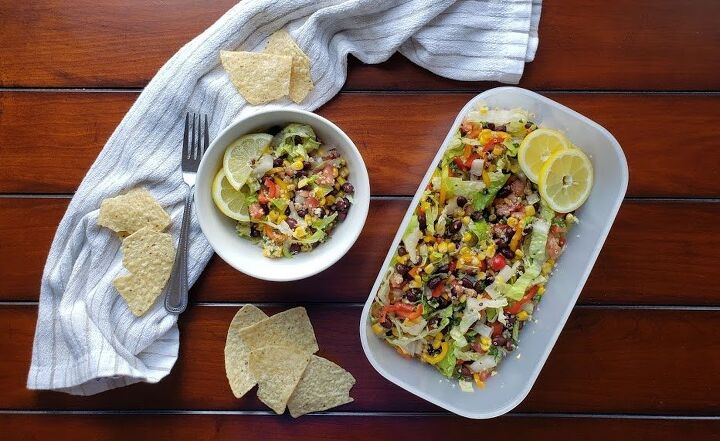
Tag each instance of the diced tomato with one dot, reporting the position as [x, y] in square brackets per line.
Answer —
[459, 162]
[498, 262]
[497, 328]
[404, 310]
[256, 211]
[262, 197]
[272, 188]
[517, 306]
[452, 265]
[312, 202]
[438, 289]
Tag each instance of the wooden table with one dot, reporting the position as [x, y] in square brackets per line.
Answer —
[638, 358]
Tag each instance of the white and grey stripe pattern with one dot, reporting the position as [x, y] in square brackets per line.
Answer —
[87, 340]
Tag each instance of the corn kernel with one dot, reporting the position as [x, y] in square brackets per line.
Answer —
[459, 212]
[335, 172]
[485, 340]
[481, 275]
[512, 221]
[461, 261]
[344, 172]
[522, 316]
[478, 381]
[425, 205]
[281, 218]
[330, 199]
[546, 268]
[467, 237]
[297, 165]
[429, 239]
[273, 215]
[415, 284]
[266, 252]
[463, 298]
[490, 251]
[442, 247]
[519, 253]
[466, 220]
[299, 232]
[417, 279]
[529, 210]
[429, 268]
[464, 250]
[378, 329]
[322, 201]
[475, 261]
[341, 180]
[497, 151]
[541, 290]
[402, 259]
[570, 218]
[481, 256]
[485, 136]
[452, 247]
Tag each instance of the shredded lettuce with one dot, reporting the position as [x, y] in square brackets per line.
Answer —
[411, 237]
[322, 224]
[460, 187]
[517, 290]
[285, 142]
[243, 229]
[465, 386]
[486, 196]
[431, 216]
[446, 366]
[280, 203]
[479, 229]
[455, 149]
[538, 239]
[466, 355]
[307, 180]
[317, 236]
[491, 314]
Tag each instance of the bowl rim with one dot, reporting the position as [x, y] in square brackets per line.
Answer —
[360, 211]
[520, 396]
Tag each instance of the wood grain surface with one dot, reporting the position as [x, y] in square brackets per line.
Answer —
[639, 45]
[607, 360]
[663, 136]
[348, 428]
[639, 264]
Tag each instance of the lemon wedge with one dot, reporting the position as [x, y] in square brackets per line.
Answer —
[537, 147]
[231, 202]
[240, 156]
[566, 179]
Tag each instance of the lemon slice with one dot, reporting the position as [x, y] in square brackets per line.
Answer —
[566, 180]
[231, 202]
[537, 147]
[241, 154]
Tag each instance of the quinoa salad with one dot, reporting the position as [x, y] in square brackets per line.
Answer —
[477, 252]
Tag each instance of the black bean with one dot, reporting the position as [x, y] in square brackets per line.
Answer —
[387, 324]
[443, 268]
[476, 215]
[341, 216]
[501, 128]
[434, 282]
[292, 223]
[465, 371]
[456, 291]
[491, 126]
[413, 295]
[402, 269]
[499, 340]
[528, 125]
[489, 279]
[505, 191]
[342, 205]
[295, 248]
[302, 212]
[401, 250]
[509, 346]
[461, 201]
[297, 140]
[302, 173]
[507, 252]
[527, 230]
[277, 162]
[254, 232]
[455, 226]
[443, 302]
[422, 221]
[347, 188]
[466, 282]
[265, 209]
[479, 286]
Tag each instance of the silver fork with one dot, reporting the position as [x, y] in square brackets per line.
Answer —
[195, 141]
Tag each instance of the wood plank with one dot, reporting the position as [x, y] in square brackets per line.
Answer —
[398, 136]
[639, 264]
[583, 45]
[606, 361]
[348, 428]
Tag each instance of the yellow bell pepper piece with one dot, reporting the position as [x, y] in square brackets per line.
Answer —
[435, 359]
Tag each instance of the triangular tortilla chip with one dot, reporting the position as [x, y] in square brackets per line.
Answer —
[324, 385]
[260, 78]
[277, 370]
[236, 353]
[127, 213]
[290, 328]
[281, 43]
[148, 256]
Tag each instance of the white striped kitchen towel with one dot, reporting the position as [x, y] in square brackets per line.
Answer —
[87, 340]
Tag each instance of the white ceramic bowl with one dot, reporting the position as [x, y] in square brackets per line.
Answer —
[517, 373]
[246, 257]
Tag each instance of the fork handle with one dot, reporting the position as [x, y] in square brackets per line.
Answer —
[176, 297]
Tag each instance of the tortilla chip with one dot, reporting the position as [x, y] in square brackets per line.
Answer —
[281, 43]
[278, 370]
[290, 328]
[259, 78]
[128, 213]
[236, 353]
[324, 385]
[148, 256]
